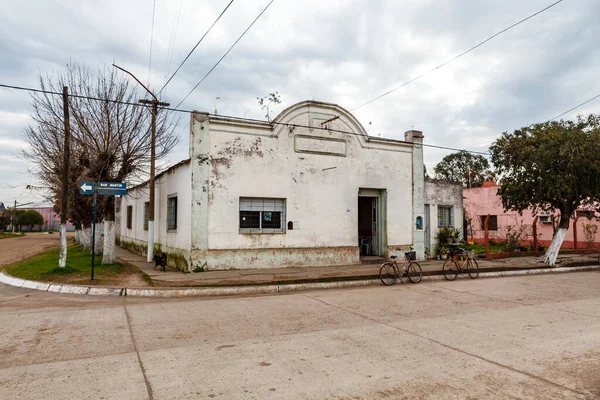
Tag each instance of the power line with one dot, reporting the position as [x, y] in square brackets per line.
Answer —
[172, 38]
[151, 38]
[194, 48]
[456, 57]
[577, 106]
[224, 55]
[286, 124]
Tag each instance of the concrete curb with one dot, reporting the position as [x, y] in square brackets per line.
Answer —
[247, 290]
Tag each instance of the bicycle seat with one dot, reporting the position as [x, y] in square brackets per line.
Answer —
[392, 257]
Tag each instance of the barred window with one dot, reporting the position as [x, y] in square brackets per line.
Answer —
[445, 216]
[492, 222]
[172, 212]
[262, 215]
[146, 214]
[129, 216]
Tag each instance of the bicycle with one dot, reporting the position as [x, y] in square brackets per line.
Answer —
[390, 272]
[453, 265]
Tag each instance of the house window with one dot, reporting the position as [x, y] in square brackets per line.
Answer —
[492, 223]
[445, 216]
[262, 215]
[129, 216]
[172, 212]
[585, 214]
[146, 214]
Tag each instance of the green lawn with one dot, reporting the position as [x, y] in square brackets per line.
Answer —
[7, 235]
[44, 267]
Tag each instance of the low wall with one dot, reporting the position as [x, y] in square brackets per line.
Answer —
[176, 258]
[273, 258]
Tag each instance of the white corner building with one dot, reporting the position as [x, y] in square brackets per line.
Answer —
[310, 188]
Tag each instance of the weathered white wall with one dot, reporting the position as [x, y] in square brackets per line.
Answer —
[174, 180]
[232, 159]
[443, 194]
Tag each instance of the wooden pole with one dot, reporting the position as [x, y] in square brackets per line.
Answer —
[62, 260]
[485, 236]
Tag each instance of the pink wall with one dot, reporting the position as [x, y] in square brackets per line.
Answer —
[485, 200]
[51, 218]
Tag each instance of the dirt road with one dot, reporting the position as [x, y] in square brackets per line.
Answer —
[20, 248]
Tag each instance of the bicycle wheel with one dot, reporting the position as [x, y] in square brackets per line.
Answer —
[388, 274]
[414, 272]
[450, 269]
[472, 268]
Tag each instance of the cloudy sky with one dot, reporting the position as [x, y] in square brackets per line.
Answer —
[344, 52]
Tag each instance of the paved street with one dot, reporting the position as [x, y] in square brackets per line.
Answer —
[520, 337]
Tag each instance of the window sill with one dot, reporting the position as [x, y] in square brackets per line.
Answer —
[171, 230]
[260, 232]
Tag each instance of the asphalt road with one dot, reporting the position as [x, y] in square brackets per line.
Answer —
[534, 337]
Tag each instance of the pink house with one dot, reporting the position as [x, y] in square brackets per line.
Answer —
[51, 219]
[479, 202]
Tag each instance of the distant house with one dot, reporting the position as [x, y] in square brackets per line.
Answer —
[310, 188]
[481, 201]
[51, 220]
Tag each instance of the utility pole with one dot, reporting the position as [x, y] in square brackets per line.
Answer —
[154, 103]
[62, 261]
[13, 219]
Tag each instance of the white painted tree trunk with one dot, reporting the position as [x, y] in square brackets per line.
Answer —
[86, 238]
[552, 252]
[62, 260]
[78, 235]
[108, 254]
[98, 245]
[150, 252]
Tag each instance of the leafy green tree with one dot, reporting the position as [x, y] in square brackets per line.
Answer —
[29, 218]
[550, 167]
[469, 169]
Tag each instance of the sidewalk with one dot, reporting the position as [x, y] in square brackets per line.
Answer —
[291, 275]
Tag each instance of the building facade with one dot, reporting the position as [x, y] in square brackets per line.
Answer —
[310, 188]
[479, 202]
[443, 208]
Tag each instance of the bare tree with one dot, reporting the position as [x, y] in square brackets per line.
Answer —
[110, 140]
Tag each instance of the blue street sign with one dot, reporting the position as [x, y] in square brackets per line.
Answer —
[86, 187]
[112, 188]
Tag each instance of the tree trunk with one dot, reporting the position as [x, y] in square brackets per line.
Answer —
[62, 260]
[557, 241]
[108, 254]
[98, 245]
[86, 237]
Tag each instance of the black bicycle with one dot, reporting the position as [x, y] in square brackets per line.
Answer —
[390, 271]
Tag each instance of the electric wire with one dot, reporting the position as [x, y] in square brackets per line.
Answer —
[172, 39]
[286, 124]
[224, 55]
[151, 39]
[456, 57]
[574, 108]
[194, 48]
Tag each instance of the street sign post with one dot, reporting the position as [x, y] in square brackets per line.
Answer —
[102, 189]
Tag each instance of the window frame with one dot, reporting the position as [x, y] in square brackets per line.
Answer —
[172, 219]
[492, 223]
[129, 217]
[269, 205]
[440, 216]
[146, 214]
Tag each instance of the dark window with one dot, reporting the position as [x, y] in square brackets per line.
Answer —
[146, 214]
[445, 216]
[129, 216]
[262, 214]
[585, 214]
[492, 223]
[290, 226]
[172, 213]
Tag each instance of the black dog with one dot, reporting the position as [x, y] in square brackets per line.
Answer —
[161, 261]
